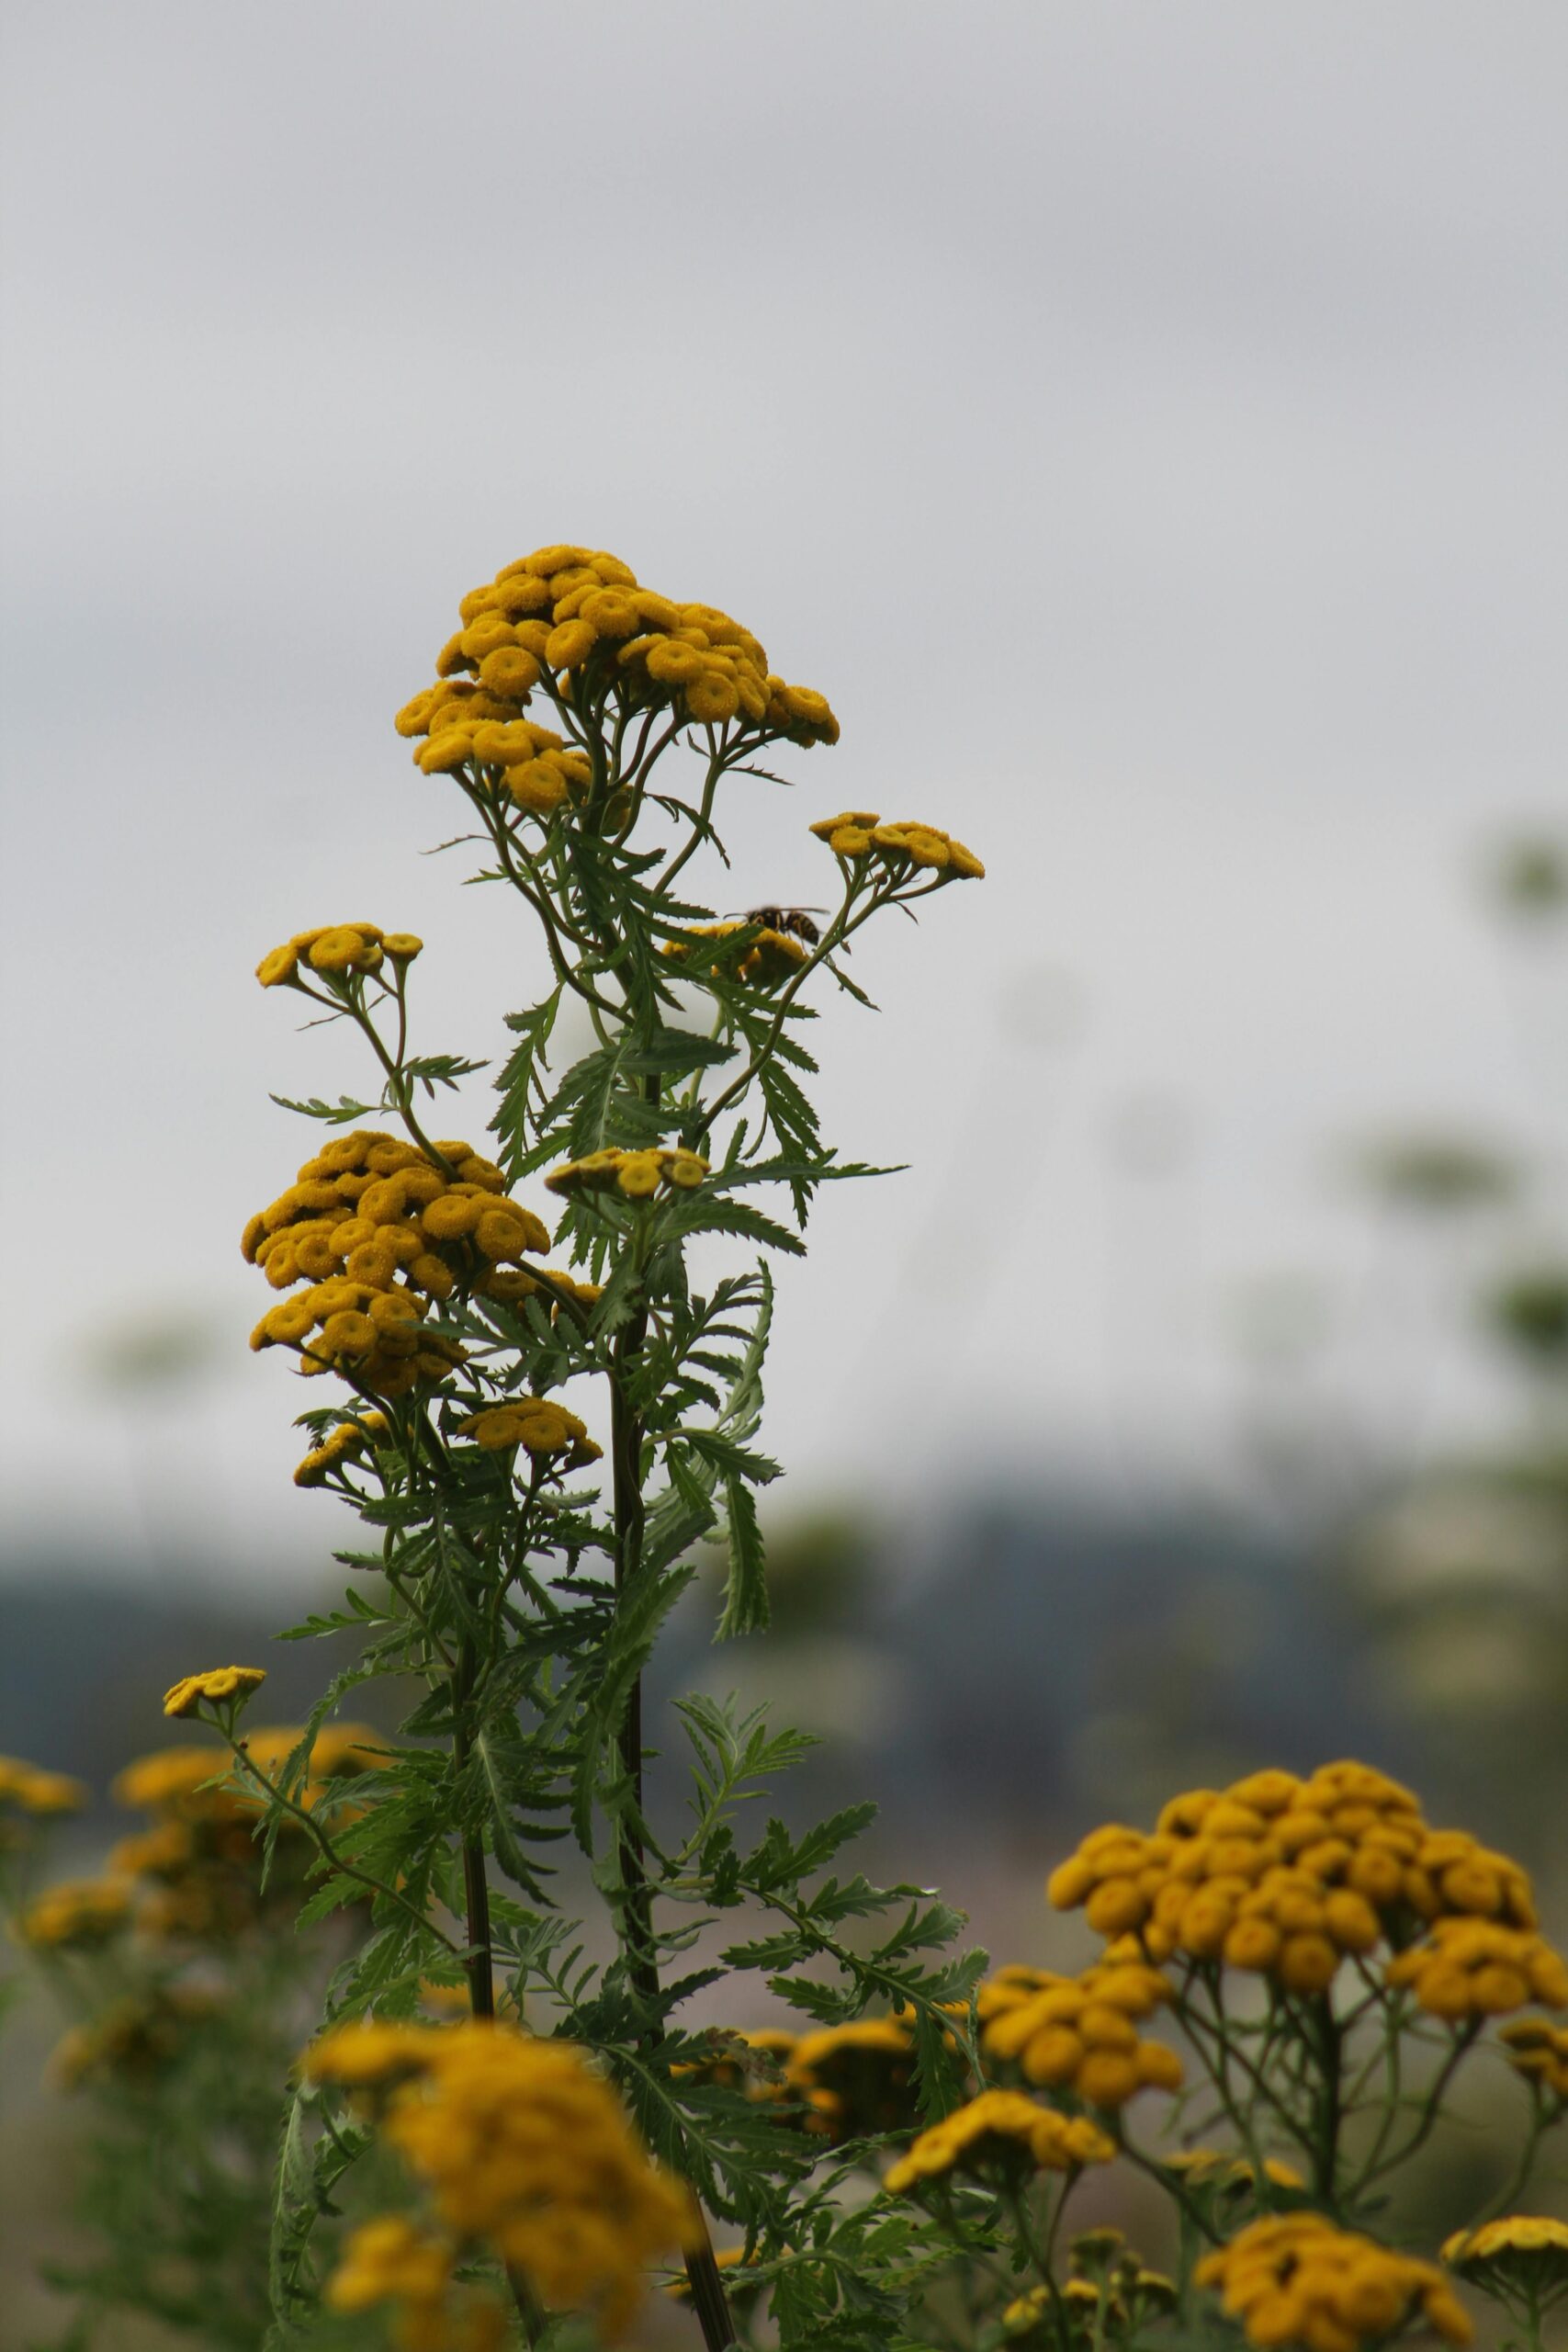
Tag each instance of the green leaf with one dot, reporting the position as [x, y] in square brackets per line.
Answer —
[727, 1455]
[519, 1078]
[705, 1211]
[341, 1114]
[431, 1070]
[746, 1587]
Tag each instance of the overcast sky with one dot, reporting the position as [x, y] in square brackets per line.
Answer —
[1147, 425]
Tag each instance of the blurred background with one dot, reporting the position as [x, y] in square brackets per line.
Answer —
[1147, 427]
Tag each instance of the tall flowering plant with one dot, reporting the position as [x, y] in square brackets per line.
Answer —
[539, 1422]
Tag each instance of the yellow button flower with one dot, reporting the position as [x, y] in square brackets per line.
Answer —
[33, 1790]
[1003, 2129]
[346, 949]
[216, 1688]
[1521, 2259]
[536, 1423]
[76, 1912]
[1297, 2279]
[603, 1171]
[518, 2145]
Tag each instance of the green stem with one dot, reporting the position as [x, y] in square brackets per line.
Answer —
[700, 830]
[478, 1965]
[308, 1821]
[1218, 2060]
[1520, 2181]
[1041, 2257]
[398, 1089]
[708, 2299]
[1329, 2115]
[1431, 2107]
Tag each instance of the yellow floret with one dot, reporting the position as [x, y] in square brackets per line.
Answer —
[569, 645]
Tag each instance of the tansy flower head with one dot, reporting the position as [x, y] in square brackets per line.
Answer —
[518, 2147]
[801, 713]
[390, 2260]
[1295, 2278]
[929, 846]
[850, 833]
[1078, 2033]
[580, 613]
[339, 1446]
[1470, 1968]
[172, 1782]
[368, 2054]
[76, 1912]
[347, 948]
[216, 1688]
[637, 1175]
[1000, 2131]
[32, 1789]
[536, 1423]
[377, 1229]
[1539, 2052]
[854, 2079]
[1522, 2259]
[1284, 1877]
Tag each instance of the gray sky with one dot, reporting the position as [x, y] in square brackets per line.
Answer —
[1147, 427]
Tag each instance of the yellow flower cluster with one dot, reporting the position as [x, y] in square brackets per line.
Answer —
[1475, 1968]
[1524, 2254]
[520, 2148]
[536, 1423]
[636, 1174]
[345, 1444]
[377, 1229]
[392, 2260]
[335, 951]
[580, 613]
[213, 1688]
[77, 1912]
[33, 1790]
[1294, 2278]
[854, 2080]
[1001, 2129]
[134, 2039]
[772, 957]
[372, 2054]
[1285, 1876]
[170, 1782]
[1540, 2052]
[860, 833]
[1079, 2033]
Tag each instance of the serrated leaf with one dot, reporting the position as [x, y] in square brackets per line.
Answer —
[746, 1587]
[336, 1114]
